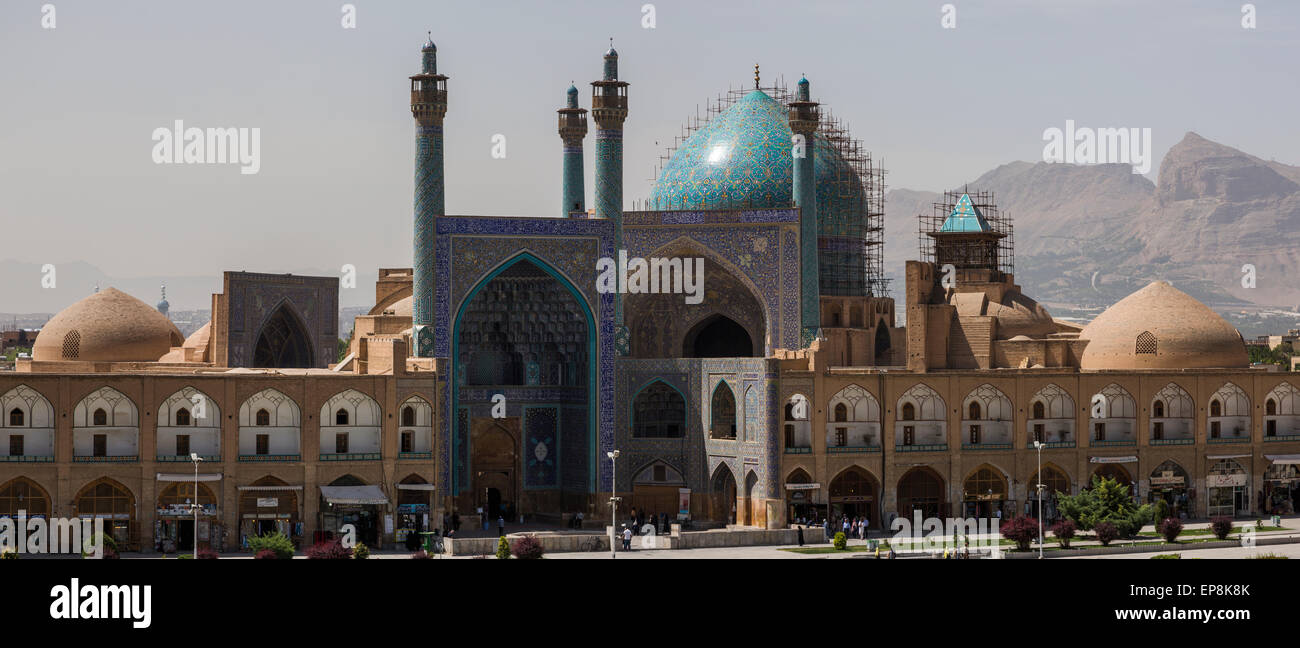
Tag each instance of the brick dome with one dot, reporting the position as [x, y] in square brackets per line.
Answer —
[108, 326]
[1161, 327]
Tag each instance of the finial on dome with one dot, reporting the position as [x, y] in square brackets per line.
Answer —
[755, 76]
[428, 44]
[612, 52]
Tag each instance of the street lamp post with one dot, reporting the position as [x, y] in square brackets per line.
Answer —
[194, 456]
[613, 500]
[1039, 487]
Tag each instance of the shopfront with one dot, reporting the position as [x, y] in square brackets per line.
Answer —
[801, 498]
[1055, 483]
[266, 506]
[1227, 487]
[1281, 484]
[174, 525]
[413, 511]
[115, 505]
[984, 494]
[853, 494]
[362, 506]
[1169, 482]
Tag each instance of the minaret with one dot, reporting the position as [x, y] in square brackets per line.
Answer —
[573, 128]
[163, 306]
[428, 106]
[609, 109]
[804, 118]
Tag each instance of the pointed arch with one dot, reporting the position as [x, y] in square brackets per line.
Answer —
[658, 411]
[26, 496]
[722, 412]
[119, 410]
[33, 409]
[282, 340]
[921, 489]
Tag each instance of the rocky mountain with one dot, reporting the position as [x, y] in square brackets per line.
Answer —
[1087, 235]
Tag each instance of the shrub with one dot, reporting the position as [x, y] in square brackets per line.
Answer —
[528, 548]
[1021, 529]
[1170, 527]
[421, 555]
[184, 557]
[1106, 533]
[277, 543]
[207, 554]
[1106, 501]
[103, 540]
[1166, 556]
[266, 554]
[329, 550]
[1221, 526]
[841, 542]
[1160, 511]
[361, 551]
[503, 548]
[8, 553]
[1269, 556]
[1064, 532]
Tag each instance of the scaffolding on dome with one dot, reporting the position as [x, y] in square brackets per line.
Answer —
[969, 248]
[858, 269]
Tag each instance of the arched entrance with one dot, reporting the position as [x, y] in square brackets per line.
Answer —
[22, 497]
[656, 489]
[266, 506]
[800, 497]
[722, 496]
[107, 499]
[1114, 471]
[1054, 482]
[985, 494]
[853, 494]
[1169, 482]
[883, 351]
[283, 342]
[1227, 489]
[495, 467]
[413, 510]
[717, 336]
[526, 332]
[175, 531]
[722, 412]
[922, 489]
[755, 513]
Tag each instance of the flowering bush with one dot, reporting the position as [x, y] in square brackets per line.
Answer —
[1170, 527]
[1023, 530]
[421, 555]
[1106, 533]
[277, 543]
[266, 554]
[1064, 531]
[207, 554]
[528, 548]
[329, 550]
[1221, 526]
[361, 551]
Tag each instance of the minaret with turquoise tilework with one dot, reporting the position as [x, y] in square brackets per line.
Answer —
[609, 109]
[804, 118]
[573, 128]
[428, 106]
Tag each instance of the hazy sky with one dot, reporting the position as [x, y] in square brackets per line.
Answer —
[940, 106]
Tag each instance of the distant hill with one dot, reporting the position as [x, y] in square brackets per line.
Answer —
[1087, 235]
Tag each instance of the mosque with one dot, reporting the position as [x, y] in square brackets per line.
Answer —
[496, 377]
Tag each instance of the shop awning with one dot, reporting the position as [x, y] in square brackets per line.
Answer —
[353, 495]
[183, 477]
[1112, 459]
[418, 487]
[284, 487]
[1236, 456]
[1284, 459]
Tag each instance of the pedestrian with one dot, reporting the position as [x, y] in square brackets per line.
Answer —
[501, 526]
[627, 538]
[800, 528]
[892, 555]
[829, 535]
[579, 519]
[866, 527]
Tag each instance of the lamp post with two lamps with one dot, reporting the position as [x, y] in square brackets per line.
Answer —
[613, 500]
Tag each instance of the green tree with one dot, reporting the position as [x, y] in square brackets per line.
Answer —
[344, 345]
[1107, 501]
[503, 548]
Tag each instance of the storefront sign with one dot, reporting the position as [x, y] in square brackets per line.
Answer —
[1105, 460]
[802, 486]
[1167, 478]
[268, 502]
[683, 503]
[1223, 481]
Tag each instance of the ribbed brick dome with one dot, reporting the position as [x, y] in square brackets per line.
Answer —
[108, 326]
[1161, 327]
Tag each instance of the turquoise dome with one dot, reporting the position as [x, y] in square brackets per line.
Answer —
[741, 159]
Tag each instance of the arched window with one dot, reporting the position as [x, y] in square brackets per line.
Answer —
[1039, 410]
[182, 416]
[1270, 407]
[15, 417]
[722, 423]
[909, 412]
[841, 412]
[1216, 409]
[100, 417]
[974, 411]
[1146, 343]
[341, 417]
[658, 412]
[263, 417]
[1158, 409]
[408, 415]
